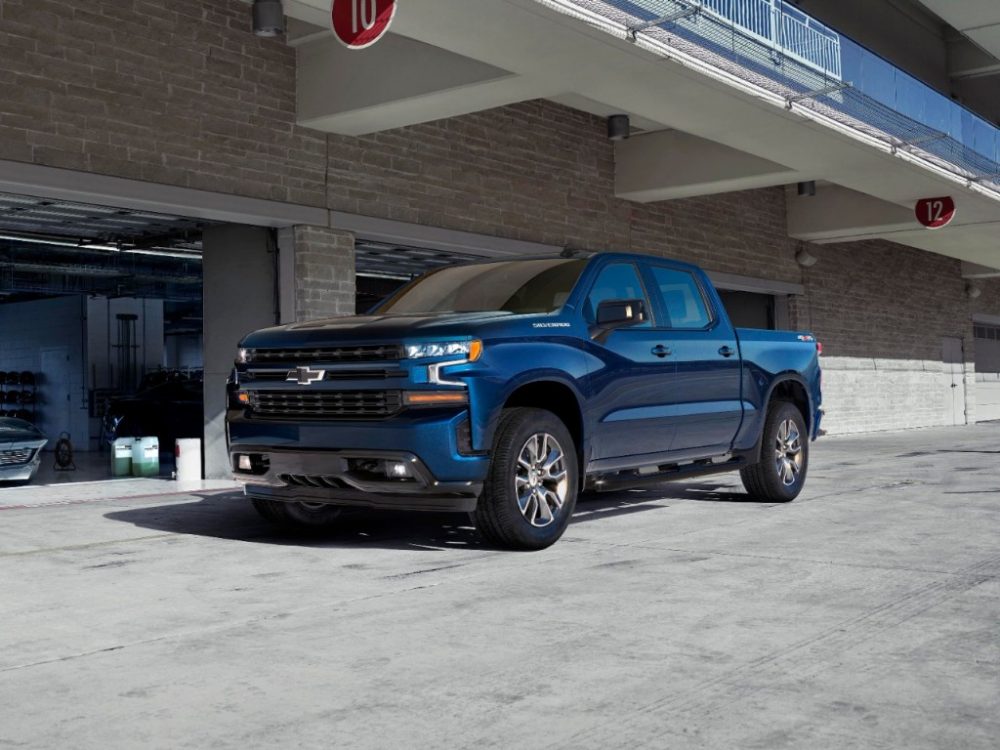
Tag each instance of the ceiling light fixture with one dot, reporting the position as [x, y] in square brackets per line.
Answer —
[268, 18]
[619, 127]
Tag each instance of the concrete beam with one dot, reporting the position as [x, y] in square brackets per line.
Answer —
[85, 187]
[395, 83]
[976, 271]
[670, 164]
[837, 214]
[968, 60]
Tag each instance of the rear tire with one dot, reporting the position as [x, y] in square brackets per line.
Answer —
[531, 489]
[784, 456]
[297, 515]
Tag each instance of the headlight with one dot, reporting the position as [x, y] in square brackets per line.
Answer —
[244, 356]
[469, 350]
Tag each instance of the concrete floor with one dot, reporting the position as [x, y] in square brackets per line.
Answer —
[863, 615]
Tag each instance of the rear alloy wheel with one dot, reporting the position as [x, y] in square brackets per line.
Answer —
[784, 456]
[298, 514]
[532, 485]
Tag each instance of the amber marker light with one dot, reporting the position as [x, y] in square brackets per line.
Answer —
[475, 350]
[244, 398]
[435, 398]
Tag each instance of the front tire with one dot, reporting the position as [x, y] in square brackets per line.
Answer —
[531, 489]
[296, 514]
[784, 456]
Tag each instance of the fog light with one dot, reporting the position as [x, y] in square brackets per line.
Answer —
[244, 463]
[398, 470]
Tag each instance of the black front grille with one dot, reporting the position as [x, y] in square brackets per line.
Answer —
[281, 376]
[326, 354]
[16, 457]
[325, 404]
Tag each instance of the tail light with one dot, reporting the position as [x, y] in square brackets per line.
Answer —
[819, 349]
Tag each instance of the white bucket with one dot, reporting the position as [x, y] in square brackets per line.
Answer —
[188, 452]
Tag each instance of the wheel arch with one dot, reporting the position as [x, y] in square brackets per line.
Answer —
[791, 387]
[556, 396]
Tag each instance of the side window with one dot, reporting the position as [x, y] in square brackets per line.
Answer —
[682, 298]
[617, 281]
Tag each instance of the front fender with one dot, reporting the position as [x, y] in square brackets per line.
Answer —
[507, 366]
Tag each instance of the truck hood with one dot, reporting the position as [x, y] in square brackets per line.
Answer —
[384, 328]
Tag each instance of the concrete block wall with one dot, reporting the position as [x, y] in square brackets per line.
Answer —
[324, 273]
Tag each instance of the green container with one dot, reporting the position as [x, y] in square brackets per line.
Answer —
[121, 457]
[146, 457]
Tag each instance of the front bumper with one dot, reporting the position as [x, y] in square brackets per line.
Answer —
[21, 472]
[333, 477]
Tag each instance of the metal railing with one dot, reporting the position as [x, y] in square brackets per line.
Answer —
[786, 30]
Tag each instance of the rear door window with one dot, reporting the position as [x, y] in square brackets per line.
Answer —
[682, 299]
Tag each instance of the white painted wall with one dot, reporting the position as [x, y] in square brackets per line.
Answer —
[52, 330]
[867, 395]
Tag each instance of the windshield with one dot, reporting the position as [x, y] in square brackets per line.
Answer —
[520, 286]
[9, 424]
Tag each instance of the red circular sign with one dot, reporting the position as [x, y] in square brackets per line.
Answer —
[361, 23]
[935, 213]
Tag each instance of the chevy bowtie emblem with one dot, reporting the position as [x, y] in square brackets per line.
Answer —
[305, 376]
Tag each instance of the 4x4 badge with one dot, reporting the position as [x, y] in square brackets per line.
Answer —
[305, 376]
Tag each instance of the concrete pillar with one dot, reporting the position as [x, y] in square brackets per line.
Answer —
[239, 297]
[317, 273]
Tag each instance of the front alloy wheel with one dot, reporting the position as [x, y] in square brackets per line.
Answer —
[541, 480]
[530, 492]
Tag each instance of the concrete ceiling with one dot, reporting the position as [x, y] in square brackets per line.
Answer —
[979, 20]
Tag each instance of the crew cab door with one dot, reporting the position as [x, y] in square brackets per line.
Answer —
[704, 389]
[630, 391]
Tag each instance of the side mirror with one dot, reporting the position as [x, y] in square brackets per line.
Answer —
[618, 313]
[615, 313]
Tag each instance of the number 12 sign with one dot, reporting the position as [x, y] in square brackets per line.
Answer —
[361, 23]
[935, 213]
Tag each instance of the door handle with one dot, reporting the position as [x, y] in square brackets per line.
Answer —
[661, 351]
[727, 351]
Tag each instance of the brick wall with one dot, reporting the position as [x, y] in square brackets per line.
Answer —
[542, 172]
[171, 91]
[324, 273]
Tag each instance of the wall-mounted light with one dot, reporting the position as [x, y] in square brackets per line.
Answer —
[806, 259]
[619, 127]
[972, 291]
[268, 18]
[807, 189]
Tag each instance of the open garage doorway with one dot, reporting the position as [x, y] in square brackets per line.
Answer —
[101, 329]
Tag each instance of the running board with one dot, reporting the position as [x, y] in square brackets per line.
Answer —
[629, 479]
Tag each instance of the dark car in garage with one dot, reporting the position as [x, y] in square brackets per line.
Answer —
[168, 410]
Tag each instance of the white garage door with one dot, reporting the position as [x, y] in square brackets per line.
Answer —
[987, 372]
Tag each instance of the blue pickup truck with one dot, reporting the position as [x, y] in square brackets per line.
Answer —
[505, 388]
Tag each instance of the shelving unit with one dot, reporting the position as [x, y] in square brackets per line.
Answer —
[19, 395]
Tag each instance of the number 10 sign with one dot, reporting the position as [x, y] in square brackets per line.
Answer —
[935, 213]
[361, 23]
